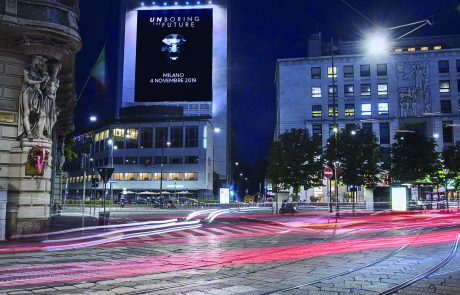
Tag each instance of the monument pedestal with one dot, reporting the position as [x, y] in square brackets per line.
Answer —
[29, 206]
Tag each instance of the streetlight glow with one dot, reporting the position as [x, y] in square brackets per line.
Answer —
[436, 135]
[93, 118]
[377, 43]
[353, 132]
[217, 130]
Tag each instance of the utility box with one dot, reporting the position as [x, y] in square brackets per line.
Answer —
[2, 213]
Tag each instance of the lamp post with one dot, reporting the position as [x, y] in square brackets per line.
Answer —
[168, 144]
[446, 172]
[336, 188]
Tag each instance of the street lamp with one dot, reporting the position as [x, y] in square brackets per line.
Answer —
[112, 147]
[92, 118]
[168, 144]
[336, 187]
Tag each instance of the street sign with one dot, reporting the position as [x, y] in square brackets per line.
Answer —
[328, 172]
[105, 173]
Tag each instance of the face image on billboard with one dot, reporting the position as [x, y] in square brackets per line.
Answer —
[174, 55]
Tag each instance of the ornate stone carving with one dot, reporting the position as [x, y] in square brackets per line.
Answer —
[414, 90]
[37, 101]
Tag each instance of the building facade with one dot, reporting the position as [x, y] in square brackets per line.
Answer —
[139, 151]
[38, 44]
[414, 87]
[200, 95]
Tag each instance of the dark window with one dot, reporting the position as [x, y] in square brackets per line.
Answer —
[317, 130]
[458, 65]
[316, 110]
[348, 71]
[191, 160]
[385, 152]
[365, 89]
[365, 70]
[349, 90]
[332, 90]
[157, 160]
[447, 132]
[130, 160]
[381, 69]
[443, 66]
[146, 161]
[118, 160]
[367, 128]
[176, 137]
[175, 160]
[446, 107]
[106, 161]
[316, 73]
[384, 133]
[146, 138]
[161, 137]
[349, 128]
[458, 86]
[191, 136]
[204, 106]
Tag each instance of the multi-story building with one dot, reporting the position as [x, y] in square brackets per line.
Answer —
[140, 146]
[413, 87]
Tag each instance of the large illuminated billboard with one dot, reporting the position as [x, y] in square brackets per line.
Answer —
[399, 198]
[174, 55]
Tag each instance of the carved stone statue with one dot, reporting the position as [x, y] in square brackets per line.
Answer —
[49, 110]
[31, 97]
[37, 102]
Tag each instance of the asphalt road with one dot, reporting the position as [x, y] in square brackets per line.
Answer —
[240, 253]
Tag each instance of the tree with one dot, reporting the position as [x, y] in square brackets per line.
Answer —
[295, 161]
[451, 157]
[358, 154]
[414, 158]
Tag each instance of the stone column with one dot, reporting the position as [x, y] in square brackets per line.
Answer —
[30, 213]
[2, 213]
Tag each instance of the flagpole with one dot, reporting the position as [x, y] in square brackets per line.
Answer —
[89, 76]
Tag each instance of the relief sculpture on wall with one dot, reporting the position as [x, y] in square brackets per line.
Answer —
[37, 101]
[414, 90]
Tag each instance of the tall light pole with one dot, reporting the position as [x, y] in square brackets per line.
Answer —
[112, 147]
[446, 172]
[168, 144]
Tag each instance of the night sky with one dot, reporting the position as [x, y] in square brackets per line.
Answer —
[261, 32]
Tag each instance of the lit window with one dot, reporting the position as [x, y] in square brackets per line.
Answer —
[382, 89]
[365, 89]
[332, 90]
[424, 48]
[157, 176]
[130, 176]
[316, 111]
[331, 73]
[349, 110]
[316, 73]
[117, 176]
[349, 90]
[366, 109]
[444, 86]
[175, 176]
[145, 176]
[398, 50]
[437, 47]
[331, 110]
[190, 176]
[383, 108]
[316, 91]
[412, 49]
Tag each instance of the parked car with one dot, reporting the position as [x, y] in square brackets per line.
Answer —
[287, 207]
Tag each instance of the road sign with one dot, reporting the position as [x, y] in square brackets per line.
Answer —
[328, 172]
[105, 173]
